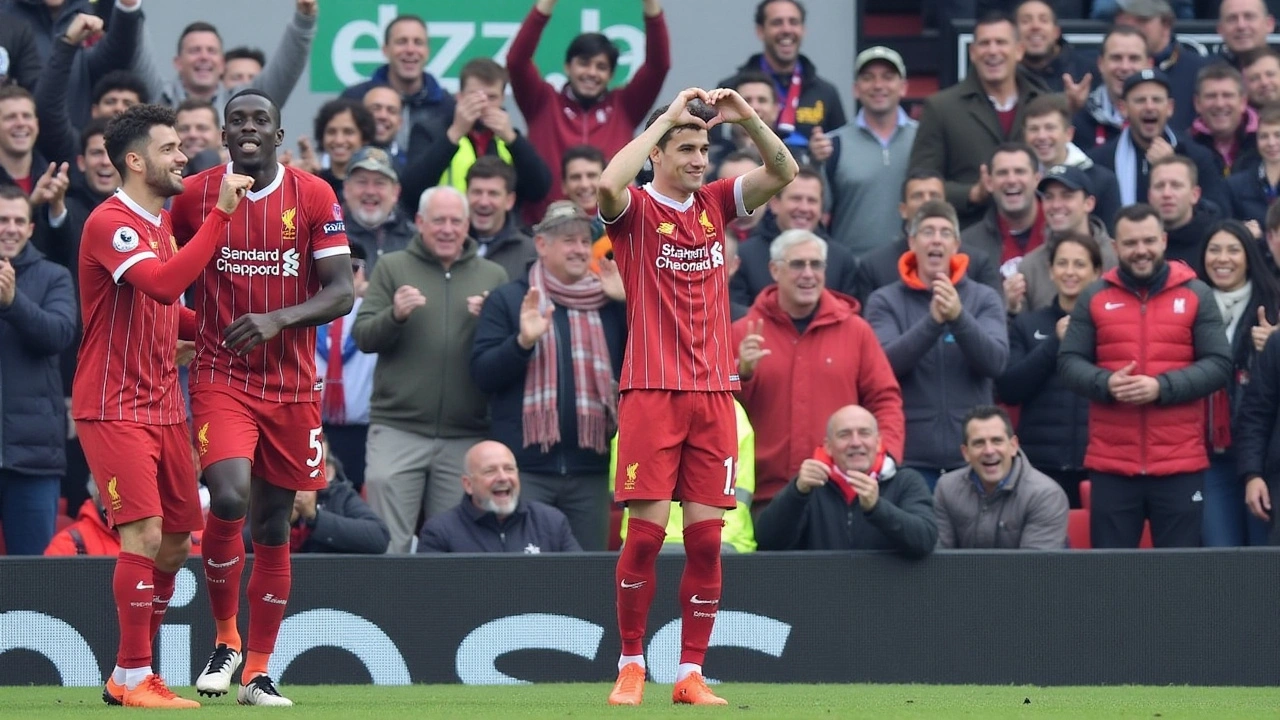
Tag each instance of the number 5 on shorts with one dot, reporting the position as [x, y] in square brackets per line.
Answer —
[728, 476]
[313, 462]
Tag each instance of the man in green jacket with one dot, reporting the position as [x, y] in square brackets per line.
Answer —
[419, 316]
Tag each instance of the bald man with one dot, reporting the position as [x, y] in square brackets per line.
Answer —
[492, 518]
[851, 496]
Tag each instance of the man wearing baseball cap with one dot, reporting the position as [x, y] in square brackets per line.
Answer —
[1147, 105]
[371, 199]
[1155, 20]
[869, 156]
[1067, 196]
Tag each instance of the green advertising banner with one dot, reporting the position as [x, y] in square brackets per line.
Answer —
[348, 44]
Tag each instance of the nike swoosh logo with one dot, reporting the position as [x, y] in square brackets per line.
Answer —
[1039, 335]
[699, 601]
[1112, 306]
[632, 586]
[141, 586]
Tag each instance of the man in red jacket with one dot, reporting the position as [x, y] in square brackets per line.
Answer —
[803, 353]
[585, 110]
[1146, 345]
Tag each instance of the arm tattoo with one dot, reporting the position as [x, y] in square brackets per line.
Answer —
[780, 158]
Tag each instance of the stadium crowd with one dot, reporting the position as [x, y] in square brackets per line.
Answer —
[1039, 305]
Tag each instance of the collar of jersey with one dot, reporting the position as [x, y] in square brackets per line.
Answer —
[136, 208]
[681, 206]
[256, 195]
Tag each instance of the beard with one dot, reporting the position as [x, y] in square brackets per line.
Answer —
[161, 182]
[370, 220]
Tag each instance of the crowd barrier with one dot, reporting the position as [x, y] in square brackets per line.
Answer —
[1204, 617]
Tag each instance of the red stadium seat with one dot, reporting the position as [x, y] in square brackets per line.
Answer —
[1078, 529]
[1145, 542]
[62, 507]
[1086, 493]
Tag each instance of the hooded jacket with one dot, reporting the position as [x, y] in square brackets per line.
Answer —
[1027, 510]
[422, 382]
[807, 376]
[879, 268]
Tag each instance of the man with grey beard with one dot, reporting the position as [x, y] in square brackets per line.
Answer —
[371, 195]
[492, 518]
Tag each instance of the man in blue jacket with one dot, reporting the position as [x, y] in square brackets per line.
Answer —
[37, 322]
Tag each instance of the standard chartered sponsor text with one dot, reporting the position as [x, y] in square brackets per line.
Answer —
[258, 262]
[686, 259]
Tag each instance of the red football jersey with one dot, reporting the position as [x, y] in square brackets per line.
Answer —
[266, 263]
[125, 369]
[671, 257]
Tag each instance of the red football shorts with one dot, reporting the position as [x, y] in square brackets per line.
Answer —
[676, 445]
[143, 471]
[282, 440]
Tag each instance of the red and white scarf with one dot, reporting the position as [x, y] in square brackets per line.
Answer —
[596, 392]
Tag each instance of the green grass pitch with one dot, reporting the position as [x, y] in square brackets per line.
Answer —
[807, 702]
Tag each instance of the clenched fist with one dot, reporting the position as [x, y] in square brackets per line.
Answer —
[234, 187]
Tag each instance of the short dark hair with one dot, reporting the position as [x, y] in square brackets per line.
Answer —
[271, 103]
[1192, 171]
[580, 152]
[766, 3]
[484, 70]
[986, 412]
[131, 130]
[359, 114]
[95, 127]
[1049, 103]
[666, 136]
[244, 52]
[1122, 30]
[1053, 12]
[1015, 147]
[589, 45]
[1250, 57]
[1087, 242]
[16, 92]
[918, 174]
[935, 209]
[195, 27]
[9, 191]
[1272, 220]
[1137, 212]
[807, 173]
[996, 17]
[120, 80]
[386, 34]
[1219, 71]
[193, 103]
[492, 166]
[753, 76]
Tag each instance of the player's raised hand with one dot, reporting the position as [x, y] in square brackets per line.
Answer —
[307, 7]
[249, 331]
[83, 27]
[534, 321]
[611, 281]
[813, 474]
[678, 111]
[407, 299]
[751, 349]
[476, 302]
[234, 187]
[730, 106]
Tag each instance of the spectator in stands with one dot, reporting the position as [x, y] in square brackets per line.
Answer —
[1132, 153]
[201, 135]
[1261, 71]
[816, 511]
[342, 127]
[1253, 192]
[798, 206]
[879, 267]
[491, 193]
[375, 218]
[425, 101]
[1048, 130]
[1256, 437]
[241, 65]
[387, 108]
[82, 66]
[548, 352]
[480, 129]
[761, 94]
[37, 322]
[18, 40]
[1053, 421]
[1244, 26]
[999, 501]
[21, 162]
[962, 125]
[492, 517]
[733, 165]
[1175, 194]
[803, 353]
[1249, 298]
[580, 170]
[115, 91]
[1108, 9]
[585, 110]
[96, 181]
[1047, 55]
[869, 156]
[940, 330]
[201, 65]
[1271, 233]
[1147, 454]
[333, 520]
[808, 103]
[1066, 194]
[1182, 63]
[1014, 223]
[739, 534]
[348, 381]
[89, 534]
[1225, 124]
[420, 312]
[1124, 52]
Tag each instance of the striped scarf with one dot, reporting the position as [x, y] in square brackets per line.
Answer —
[596, 392]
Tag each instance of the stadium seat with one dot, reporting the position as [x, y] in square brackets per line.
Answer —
[1086, 493]
[62, 507]
[1078, 529]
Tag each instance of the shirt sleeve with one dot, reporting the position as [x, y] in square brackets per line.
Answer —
[114, 241]
[619, 228]
[328, 230]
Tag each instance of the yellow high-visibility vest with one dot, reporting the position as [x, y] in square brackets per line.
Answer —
[456, 174]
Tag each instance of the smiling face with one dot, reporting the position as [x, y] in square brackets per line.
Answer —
[1269, 142]
[406, 50]
[1122, 56]
[1225, 262]
[387, 108]
[1072, 270]
[199, 62]
[99, 173]
[1013, 184]
[1156, 30]
[989, 449]
[1066, 210]
[1140, 246]
[164, 161]
[240, 72]
[853, 439]
[342, 138]
[801, 276]
[1173, 194]
[114, 102]
[879, 88]
[1244, 24]
[589, 77]
[15, 227]
[252, 132]
[1220, 105]
[995, 53]
[781, 33]
[1037, 28]
[798, 206]
[919, 192]
[936, 241]
[1048, 135]
[581, 178]
[198, 129]
[1148, 108]
[1262, 81]
[370, 196]
[565, 251]
[492, 478]
[680, 166]
[18, 126]
[490, 202]
[762, 98]
[443, 226]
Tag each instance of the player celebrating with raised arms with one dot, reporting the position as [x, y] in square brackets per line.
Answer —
[126, 402]
[677, 434]
[285, 268]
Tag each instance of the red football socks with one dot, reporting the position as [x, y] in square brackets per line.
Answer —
[133, 586]
[223, 548]
[699, 588]
[164, 582]
[637, 580]
[268, 594]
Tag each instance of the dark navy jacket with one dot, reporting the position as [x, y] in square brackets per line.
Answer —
[532, 529]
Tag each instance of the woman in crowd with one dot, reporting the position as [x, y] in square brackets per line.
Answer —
[342, 127]
[1248, 297]
[1053, 425]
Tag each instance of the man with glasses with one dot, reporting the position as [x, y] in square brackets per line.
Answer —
[348, 380]
[804, 353]
[945, 338]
